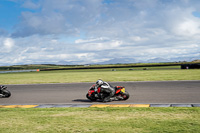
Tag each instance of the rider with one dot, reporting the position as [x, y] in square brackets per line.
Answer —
[107, 88]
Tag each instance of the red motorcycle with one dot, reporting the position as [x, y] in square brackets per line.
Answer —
[120, 93]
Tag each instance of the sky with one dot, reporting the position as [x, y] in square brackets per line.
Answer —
[95, 31]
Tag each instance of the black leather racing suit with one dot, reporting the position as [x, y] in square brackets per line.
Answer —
[107, 88]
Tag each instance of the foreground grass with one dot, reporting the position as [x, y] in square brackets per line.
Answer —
[67, 76]
[100, 120]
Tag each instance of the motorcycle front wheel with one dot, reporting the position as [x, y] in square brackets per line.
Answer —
[125, 95]
[90, 98]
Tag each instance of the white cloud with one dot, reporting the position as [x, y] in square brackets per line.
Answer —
[138, 38]
[31, 5]
[91, 40]
[98, 44]
[188, 28]
[8, 43]
[97, 30]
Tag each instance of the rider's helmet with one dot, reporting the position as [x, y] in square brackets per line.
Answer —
[99, 82]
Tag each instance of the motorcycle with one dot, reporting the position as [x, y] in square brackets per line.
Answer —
[120, 94]
[4, 92]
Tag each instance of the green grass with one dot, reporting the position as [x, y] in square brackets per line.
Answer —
[104, 120]
[91, 75]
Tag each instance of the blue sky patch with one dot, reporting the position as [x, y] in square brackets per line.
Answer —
[196, 14]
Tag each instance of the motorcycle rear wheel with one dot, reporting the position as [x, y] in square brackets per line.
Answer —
[6, 93]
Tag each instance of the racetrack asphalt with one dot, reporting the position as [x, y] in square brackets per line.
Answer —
[151, 92]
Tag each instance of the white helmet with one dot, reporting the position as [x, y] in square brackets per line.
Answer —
[99, 82]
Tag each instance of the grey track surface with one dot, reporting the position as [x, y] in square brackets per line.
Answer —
[173, 92]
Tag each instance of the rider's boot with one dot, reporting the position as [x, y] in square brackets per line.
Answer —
[107, 99]
[114, 98]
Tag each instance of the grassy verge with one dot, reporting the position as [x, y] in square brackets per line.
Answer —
[52, 66]
[100, 120]
[69, 76]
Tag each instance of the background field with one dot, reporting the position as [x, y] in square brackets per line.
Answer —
[91, 75]
[52, 66]
[57, 67]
